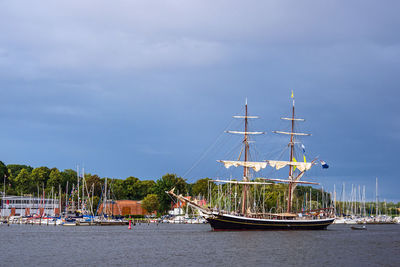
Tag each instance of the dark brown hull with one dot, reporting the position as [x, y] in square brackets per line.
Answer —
[229, 222]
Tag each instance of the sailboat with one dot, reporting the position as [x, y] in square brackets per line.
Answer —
[249, 217]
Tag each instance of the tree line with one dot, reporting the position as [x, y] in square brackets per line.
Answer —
[17, 179]
[23, 179]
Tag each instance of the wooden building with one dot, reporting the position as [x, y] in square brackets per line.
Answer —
[123, 207]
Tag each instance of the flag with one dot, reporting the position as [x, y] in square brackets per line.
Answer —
[303, 148]
[304, 157]
[324, 165]
[292, 96]
[294, 160]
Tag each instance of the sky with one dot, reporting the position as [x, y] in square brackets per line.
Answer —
[145, 88]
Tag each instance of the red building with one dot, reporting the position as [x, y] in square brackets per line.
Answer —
[123, 207]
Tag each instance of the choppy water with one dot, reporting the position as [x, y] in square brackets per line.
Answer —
[194, 245]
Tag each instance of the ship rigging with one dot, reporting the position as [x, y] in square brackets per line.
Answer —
[250, 217]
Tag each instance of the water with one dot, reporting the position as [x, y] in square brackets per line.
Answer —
[194, 245]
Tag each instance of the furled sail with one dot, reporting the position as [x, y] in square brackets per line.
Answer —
[302, 166]
[244, 117]
[289, 181]
[291, 119]
[256, 166]
[238, 182]
[280, 132]
[238, 132]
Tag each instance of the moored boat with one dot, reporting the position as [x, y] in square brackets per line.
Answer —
[237, 222]
[358, 227]
[246, 216]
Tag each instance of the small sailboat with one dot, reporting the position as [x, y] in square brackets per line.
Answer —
[359, 227]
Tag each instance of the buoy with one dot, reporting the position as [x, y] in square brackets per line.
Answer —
[129, 227]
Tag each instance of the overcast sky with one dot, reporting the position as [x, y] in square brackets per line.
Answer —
[142, 88]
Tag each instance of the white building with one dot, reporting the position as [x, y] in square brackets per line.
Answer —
[26, 206]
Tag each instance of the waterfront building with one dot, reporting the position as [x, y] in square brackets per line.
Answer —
[122, 207]
[28, 206]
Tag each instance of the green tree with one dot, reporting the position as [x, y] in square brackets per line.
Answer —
[132, 186]
[200, 187]
[146, 187]
[96, 203]
[69, 176]
[118, 189]
[94, 181]
[14, 169]
[55, 179]
[40, 175]
[151, 203]
[3, 171]
[3, 175]
[166, 183]
[23, 182]
[11, 183]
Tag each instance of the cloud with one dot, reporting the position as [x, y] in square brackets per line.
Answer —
[167, 73]
[122, 35]
[63, 38]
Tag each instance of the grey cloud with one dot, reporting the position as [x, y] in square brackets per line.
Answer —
[114, 75]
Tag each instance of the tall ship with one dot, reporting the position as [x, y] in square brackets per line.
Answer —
[239, 204]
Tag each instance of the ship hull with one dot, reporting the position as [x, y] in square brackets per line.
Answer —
[231, 223]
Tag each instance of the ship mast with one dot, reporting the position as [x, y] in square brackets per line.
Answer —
[246, 164]
[293, 180]
[245, 169]
[289, 202]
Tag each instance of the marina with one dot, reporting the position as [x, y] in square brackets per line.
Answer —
[234, 204]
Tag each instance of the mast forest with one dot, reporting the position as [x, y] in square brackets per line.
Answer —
[26, 180]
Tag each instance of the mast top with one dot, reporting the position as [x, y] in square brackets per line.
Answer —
[292, 96]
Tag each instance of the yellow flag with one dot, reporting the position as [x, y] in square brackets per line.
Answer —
[292, 94]
[304, 158]
[294, 160]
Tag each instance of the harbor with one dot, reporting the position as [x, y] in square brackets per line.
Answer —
[225, 204]
[199, 133]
